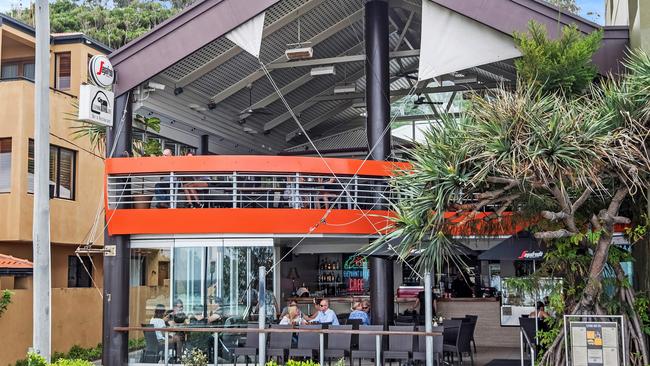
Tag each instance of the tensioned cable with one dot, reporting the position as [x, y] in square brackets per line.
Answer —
[345, 186]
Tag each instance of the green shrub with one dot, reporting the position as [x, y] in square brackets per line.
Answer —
[68, 362]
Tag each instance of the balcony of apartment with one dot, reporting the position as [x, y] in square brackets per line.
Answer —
[247, 195]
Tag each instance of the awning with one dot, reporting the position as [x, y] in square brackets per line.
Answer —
[522, 246]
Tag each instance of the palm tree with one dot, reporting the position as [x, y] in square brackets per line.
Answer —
[573, 164]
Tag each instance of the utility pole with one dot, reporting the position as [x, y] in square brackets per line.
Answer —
[41, 220]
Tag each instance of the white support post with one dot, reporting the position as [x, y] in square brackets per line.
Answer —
[321, 348]
[378, 350]
[42, 326]
[261, 314]
[428, 303]
[216, 348]
[166, 354]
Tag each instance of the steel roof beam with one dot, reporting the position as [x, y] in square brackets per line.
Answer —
[404, 92]
[338, 60]
[306, 104]
[320, 119]
[342, 24]
[233, 51]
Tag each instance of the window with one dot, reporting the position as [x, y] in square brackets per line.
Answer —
[18, 69]
[5, 165]
[62, 67]
[62, 171]
[78, 276]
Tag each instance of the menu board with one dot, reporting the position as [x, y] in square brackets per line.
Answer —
[356, 274]
[594, 344]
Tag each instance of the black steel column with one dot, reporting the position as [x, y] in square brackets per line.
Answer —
[378, 130]
[116, 267]
[381, 291]
[204, 147]
[377, 86]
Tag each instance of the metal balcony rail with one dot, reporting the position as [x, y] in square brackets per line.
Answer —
[238, 330]
[248, 190]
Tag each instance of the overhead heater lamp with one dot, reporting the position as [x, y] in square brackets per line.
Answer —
[323, 70]
[301, 53]
[345, 89]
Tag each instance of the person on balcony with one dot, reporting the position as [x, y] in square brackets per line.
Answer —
[292, 317]
[161, 190]
[192, 187]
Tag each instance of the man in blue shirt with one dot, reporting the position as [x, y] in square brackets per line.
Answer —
[324, 315]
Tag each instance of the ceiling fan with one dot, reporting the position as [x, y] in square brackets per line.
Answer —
[250, 111]
[423, 100]
[409, 74]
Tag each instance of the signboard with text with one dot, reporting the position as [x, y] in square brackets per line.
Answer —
[101, 71]
[356, 274]
[95, 105]
[594, 343]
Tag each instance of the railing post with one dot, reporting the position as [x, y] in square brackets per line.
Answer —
[378, 350]
[296, 193]
[356, 193]
[166, 355]
[321, 348]
[428, 303]
[521, 346]
[234, 189]
[216, 348]
[172, 191]
[261, 314]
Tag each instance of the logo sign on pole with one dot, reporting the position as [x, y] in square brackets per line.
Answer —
[95, 105]
[101, 71]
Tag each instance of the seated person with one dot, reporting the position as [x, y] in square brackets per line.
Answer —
[325, 315]
[197, 318]
[293, 317]
[158, 321]
[215, 312]
[358, 313]
[285, 311]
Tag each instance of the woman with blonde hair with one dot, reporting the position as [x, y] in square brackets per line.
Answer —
[292, 318]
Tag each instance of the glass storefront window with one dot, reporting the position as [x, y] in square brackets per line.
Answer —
[207, 283]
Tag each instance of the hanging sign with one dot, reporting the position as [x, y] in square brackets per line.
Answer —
[95, 105]
[101, 71]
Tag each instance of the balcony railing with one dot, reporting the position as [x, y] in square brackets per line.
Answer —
[248, 190]
[247, 194]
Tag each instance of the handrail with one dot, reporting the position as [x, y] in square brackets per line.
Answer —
[272, 330]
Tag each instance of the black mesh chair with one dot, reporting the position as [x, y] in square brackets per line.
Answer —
[250, 349]
[458, 343]
[356, 323]
[339, 345]
[421, 353]
[308, 343]
[367, 345]
[400, 347]
[279, 343]
[152, 352]
[474, 319]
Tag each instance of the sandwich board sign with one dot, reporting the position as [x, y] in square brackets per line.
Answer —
[95, 105]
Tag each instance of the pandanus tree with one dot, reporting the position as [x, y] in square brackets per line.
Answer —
[567, 162]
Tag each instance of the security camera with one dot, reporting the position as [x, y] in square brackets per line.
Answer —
[157, 86]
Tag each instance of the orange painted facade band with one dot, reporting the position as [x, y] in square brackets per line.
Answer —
[243, 221]
[252, 163]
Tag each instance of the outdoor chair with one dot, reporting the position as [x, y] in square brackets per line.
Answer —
[279, 343]
[251, 347]
[355, 323]
[367, 345]
[400, 347]
[308, 343]
[458, 343]
[421, 354]
[474, 319]
[152, 351]
[339, 345]
[403, 324]
[527, 326]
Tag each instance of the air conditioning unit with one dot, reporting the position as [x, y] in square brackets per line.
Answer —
[345, 89]
[301, 53]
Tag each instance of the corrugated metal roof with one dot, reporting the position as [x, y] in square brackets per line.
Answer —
[9, 262]
[351, 140]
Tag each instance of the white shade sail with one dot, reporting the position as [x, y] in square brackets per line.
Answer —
[248, 36]
[452, 42]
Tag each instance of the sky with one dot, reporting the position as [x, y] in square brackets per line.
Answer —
[593, 10]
